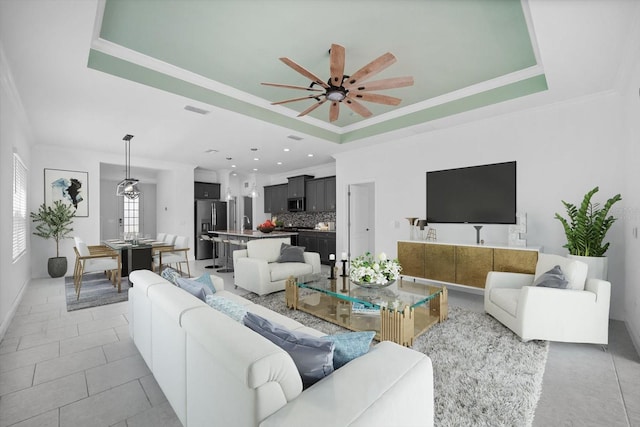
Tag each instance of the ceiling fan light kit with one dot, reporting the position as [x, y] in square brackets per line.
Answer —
[343, 88]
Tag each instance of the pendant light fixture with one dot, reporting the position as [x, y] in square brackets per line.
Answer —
[128, 187]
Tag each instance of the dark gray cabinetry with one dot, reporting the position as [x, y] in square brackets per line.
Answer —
[321, 194]
[275, 198]
[317, 241]
[206, 190]
[297, 186]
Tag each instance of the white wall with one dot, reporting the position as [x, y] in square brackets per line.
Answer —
[562, 152]
[631, 105]
[14, 137]
[174, 197]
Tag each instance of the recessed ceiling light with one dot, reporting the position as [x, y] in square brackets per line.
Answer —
[295, 137]
[255, 158]
[286, 149]
[233, 166]
[233, 174]
[211, 150]
[255, 169]
[279, 163]
[309, 155]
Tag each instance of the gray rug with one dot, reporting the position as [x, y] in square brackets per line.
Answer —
[96, 290]
[483, 374]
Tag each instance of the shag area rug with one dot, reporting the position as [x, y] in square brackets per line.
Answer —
[483, 374]
[96, 290]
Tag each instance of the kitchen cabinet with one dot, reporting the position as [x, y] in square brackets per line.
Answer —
[321, 195]
[275, 198]
[206, 190]
[318, 241]
[297, 186]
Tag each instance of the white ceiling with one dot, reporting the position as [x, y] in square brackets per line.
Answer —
[583, 49]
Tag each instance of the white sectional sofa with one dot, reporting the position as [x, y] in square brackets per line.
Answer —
[256, 268]
[217, 372]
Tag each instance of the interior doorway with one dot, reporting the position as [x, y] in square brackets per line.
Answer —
[361, 219]
[247, 219]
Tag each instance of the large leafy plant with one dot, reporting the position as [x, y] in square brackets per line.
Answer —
[54, 222]
[587, 225]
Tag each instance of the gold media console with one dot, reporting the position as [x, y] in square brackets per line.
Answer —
[463, 264]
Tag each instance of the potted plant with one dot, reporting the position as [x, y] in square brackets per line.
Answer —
[54, 223]
[586, 228]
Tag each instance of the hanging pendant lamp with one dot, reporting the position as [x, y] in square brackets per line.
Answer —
[128, 187]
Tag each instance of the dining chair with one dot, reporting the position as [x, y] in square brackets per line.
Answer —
[91, 259]
[176, 255]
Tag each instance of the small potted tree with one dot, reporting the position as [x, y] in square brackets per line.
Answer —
[585, 229]
[54, 223]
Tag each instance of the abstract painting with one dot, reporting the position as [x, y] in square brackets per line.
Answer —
[70, 187]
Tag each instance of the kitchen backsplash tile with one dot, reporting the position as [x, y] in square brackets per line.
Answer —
[305, 219]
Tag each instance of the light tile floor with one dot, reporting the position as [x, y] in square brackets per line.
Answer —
[60, 369]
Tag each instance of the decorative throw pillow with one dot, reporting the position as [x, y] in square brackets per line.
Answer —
[228, 307]
[349, 346]
[171, 275]
[553, 278]
[290, 253]
[196, 289]
[313, 356]
[205, 279]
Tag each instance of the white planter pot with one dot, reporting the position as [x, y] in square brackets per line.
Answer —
[597, 266]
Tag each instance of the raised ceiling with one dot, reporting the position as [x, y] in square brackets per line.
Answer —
[462, 54]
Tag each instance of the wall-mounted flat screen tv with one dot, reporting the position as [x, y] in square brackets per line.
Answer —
[483, 194]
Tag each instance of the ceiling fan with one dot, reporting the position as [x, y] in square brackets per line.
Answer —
[341, 88]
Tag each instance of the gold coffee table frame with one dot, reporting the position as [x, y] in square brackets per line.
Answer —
[418, 306]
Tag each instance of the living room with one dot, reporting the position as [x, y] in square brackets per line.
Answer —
[580, 133]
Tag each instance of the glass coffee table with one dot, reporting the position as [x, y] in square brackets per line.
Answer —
[398, 313]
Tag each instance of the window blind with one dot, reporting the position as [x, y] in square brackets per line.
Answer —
[19, 207]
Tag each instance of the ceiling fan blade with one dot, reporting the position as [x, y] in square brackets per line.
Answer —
[374, 97]
[334, 110]
[371, 69]
[293, 87]
[308, 74]
[391, 83]
[357, 107]
[313, 107]
[337, 64]
[294, 99]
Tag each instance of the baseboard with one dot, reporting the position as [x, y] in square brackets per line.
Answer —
[635, 336]
[9, 317]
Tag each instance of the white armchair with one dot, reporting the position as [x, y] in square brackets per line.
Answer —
[578, 314]
[256, 269]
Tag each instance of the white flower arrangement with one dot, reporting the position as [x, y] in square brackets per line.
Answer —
[380, 271]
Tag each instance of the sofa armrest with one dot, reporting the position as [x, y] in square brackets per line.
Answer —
[250, 272]
[503, 279]
[360, 393]
[601, 288]
[313, 258]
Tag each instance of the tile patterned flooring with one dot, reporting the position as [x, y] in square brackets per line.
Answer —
[60, 369]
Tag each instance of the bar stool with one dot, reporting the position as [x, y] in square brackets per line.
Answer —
[217, 249]
[206, 238]
[227, 247]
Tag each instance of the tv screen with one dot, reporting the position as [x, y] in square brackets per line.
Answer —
[476, 195]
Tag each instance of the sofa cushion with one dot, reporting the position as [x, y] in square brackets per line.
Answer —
[282, 271]
[266, 249]
[290, 253]
[205, 279]
[349, 346]
[196, 289]
[171, 275]
[553, 278]
[574, 271]
[229, 307]
[506, 299]
[313, 356]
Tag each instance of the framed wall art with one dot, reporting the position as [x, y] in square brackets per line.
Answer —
[71, 187]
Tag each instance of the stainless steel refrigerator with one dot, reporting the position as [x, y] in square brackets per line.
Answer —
[210, 215]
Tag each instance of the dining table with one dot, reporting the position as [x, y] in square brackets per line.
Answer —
[137, 254]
